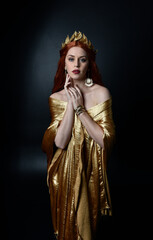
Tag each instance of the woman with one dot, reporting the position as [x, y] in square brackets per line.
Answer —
[78, 142]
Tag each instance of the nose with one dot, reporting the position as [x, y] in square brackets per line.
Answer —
[76, 63]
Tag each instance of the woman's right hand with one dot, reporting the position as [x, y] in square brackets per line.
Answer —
[68, 83]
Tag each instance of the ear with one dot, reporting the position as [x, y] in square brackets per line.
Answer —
[66, 70]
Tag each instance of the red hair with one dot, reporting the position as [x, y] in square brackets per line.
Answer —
[59, 79]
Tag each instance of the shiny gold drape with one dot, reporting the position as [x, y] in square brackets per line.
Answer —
[76, 176]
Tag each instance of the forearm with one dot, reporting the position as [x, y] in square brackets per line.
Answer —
[64, 131]
[93, 129]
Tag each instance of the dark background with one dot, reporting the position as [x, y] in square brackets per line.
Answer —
[31, 36]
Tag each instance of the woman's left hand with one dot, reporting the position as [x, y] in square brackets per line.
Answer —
[76, 96]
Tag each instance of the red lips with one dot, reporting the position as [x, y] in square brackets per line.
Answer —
[76, 71]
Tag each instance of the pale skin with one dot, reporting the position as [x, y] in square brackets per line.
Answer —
[75, 93]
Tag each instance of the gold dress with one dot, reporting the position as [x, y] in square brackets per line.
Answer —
[76, 176]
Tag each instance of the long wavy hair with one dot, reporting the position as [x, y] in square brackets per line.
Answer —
[93, 71]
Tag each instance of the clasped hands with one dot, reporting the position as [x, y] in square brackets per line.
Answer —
[73, 93]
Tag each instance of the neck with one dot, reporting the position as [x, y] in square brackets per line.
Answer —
[80, 84]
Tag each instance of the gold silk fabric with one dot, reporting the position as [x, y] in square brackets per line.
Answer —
[76, 177]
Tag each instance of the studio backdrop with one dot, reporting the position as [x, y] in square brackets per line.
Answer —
[32, 33]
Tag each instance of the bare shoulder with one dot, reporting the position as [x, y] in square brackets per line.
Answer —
[102, 94]
[59, 95]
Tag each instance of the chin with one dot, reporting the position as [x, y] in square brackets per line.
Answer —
[77, 77]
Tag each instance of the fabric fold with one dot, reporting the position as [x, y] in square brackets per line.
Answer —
[76, 176]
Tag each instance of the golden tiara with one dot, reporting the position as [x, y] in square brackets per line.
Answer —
[78, 36]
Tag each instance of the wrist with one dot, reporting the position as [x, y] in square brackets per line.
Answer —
[82, 114]
[70, 105]
[79, 110]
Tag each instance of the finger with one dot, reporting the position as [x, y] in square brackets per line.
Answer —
[78, 90]
[73, 95]
[67, 78]
[67, 84]
[69, 94]
[70, 80]
[73, 90]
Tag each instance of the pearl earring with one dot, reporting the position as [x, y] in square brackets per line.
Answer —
[88, 81]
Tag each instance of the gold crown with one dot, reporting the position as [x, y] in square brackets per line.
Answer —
[78, 36]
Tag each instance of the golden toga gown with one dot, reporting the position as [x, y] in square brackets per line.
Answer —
[76, 176]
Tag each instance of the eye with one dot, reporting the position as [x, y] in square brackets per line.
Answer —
[70, 59]
[83, 60]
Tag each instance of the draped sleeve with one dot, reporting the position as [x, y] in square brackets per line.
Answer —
[102, 115]
[57, 110]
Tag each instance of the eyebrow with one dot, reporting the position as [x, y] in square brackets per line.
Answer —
[74, 56]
